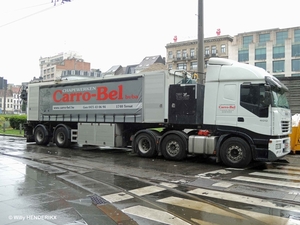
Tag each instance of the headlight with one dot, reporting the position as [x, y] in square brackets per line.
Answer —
[278, 146]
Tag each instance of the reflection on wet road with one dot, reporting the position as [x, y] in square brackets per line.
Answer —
[31, 196]
[126, 189]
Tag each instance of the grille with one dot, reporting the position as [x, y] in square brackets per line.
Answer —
[285, 126]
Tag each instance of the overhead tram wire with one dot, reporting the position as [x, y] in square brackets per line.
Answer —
[33, 6]
[24, 17]
[24, 8]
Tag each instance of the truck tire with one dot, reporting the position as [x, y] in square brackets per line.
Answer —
[61, 138]
[235, 152]
[173, 147]
[145, 144]
[41, 136]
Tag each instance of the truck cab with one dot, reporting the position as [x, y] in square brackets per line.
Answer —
[246, 102]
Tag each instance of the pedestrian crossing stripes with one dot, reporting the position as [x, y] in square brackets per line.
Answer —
[267, 181]
[242, 199]
[155, 215]
[280, 176]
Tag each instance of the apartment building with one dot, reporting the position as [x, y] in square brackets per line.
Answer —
[183, 55]
[10, 100]
[66, 65]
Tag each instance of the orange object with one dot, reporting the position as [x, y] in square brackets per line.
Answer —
[295, 139]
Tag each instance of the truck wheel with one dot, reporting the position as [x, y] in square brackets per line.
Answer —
[41, 136]
[61, 138]
[235, 152]
[173, 147]
[145, 145]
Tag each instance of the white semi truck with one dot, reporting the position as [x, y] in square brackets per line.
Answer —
[240, 114]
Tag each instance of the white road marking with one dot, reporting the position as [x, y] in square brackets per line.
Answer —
[168, 185]
[289, 167]
[268, 219]
[199, 206]
[146, 190]
[273, 175]
[117, 197]
[222, 184]
[243, 199]
[155, 215]
[283, 171]
[267, 181]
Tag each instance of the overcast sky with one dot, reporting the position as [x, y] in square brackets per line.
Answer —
[121, 32]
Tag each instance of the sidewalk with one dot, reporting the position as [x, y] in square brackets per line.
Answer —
[33, 197]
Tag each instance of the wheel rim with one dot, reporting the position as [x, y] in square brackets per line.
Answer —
[40, 136]
[144, 145]
[173, 148]
[60, 138]
[235, 153]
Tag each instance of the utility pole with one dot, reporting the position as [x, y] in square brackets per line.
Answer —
[200, 54]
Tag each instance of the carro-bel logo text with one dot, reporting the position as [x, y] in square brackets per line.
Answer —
[102, 93]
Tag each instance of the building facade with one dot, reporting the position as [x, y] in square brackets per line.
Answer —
[275, 50]
[10, 101]
[183, 55]
[65, 65]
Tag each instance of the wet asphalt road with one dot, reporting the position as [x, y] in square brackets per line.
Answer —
[117, 187]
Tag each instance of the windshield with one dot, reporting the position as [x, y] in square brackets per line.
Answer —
[278, 92]
[279, 98]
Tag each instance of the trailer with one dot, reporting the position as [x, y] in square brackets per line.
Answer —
[240, 114]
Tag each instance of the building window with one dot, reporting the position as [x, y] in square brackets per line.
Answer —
[45, 71]
[192, 53]
[280, 37]
[260, 54]
[223, 48]
[206, 51]
[297, 35]
[181, 66]
[261, 65]
[184, 55]
[193, 65]
[278, 66]
[213, 50]
[170, 55]
[263, 38]
[247, 40]
[295, 64]
[178, 54]
[295, 50]
[243, 55]
[278, 52]
[170, 66]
